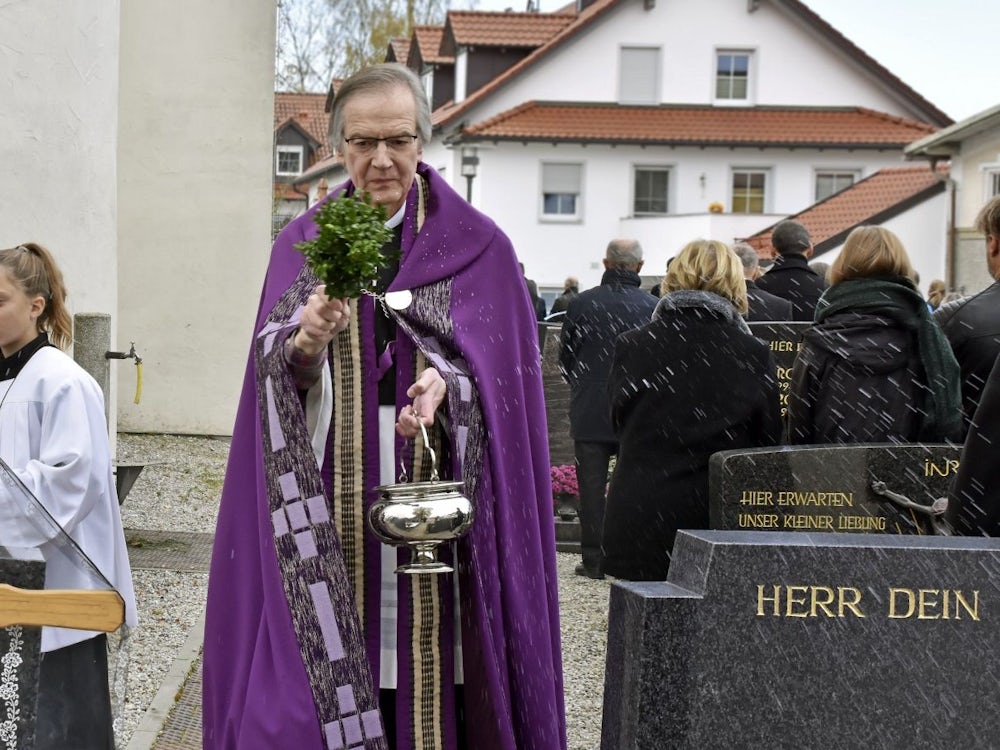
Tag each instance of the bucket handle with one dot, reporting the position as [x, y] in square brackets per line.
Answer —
[403, 477]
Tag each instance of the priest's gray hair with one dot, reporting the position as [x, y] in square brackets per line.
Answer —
[379, 78]
[624, 253]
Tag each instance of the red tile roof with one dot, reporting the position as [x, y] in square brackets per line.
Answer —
[488, 29]
[286, 191]
[873, 200]
[428, 39]
[308, 112]
[451, 112]
[399, 49]
[671, 124]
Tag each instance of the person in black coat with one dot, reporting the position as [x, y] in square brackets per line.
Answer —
[875, 367]
[692, 382]
[761, 305]
[790, 276]
[972, 324]
[571, 289]
[594, 319]
[974, 496]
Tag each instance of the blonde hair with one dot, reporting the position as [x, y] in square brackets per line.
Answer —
[710, 266]
[33, 269]
[869, 252]
[936, 293]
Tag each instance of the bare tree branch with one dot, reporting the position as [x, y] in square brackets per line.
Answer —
[318, 40]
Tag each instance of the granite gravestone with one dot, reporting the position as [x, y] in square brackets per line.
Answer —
[855, 488]
[20, 654]
[785, 340]
[783, 640]
[556, 399]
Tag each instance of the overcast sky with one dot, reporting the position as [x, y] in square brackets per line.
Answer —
[946, 51]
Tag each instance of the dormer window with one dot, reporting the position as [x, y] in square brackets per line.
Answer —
[732, 76]
[288, 160]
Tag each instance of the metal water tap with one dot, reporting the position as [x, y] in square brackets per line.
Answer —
[130, 354]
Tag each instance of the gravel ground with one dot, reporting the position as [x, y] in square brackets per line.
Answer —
[181, 493]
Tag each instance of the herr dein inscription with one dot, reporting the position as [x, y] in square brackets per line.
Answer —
[776, 600]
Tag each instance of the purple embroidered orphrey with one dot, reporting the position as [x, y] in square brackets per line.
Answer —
[292, 642]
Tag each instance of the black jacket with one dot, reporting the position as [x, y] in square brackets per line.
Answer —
[972, 327]
[766, 306]
[855, 380]
[594, 319]
[791, 278]
[974, 498]
[685, 386]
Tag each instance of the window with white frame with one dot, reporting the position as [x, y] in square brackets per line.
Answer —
[829, 182]
[732, 75]
[650, 191]
[561, 190]
[749, 191]
[288, 160]
[992, 182]
[639, 75]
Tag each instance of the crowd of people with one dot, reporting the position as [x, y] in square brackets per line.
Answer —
[879, 363]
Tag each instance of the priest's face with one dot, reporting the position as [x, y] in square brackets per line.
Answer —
[380, 147]
[18, 315]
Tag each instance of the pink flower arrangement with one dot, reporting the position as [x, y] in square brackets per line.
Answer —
[564, 480]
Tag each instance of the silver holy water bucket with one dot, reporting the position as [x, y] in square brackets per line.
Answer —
[420, 516]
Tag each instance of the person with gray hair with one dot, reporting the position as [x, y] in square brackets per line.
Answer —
[762, 305]
[790, 276]
[313, 641]
[972, 324]
[571, 288]
[593, 321]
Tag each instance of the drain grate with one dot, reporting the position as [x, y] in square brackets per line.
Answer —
[169, 550]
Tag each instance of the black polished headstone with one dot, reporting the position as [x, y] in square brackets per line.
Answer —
[781, 640]
[830, 487]
[556, 399]
[785, 340]
[20, 654]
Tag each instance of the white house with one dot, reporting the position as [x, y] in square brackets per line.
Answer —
[973, 148]
[911, 201]
[658, 120]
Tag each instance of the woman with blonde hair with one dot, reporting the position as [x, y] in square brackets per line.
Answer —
[691, 382]
[874, 367]
[54, 437]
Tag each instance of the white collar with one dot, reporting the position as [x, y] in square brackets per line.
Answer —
[397, 219]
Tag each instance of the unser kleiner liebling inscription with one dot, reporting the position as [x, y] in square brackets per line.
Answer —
[789, 499]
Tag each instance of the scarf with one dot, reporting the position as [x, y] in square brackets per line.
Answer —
[698, 299]
[11, 366]
[896, 298]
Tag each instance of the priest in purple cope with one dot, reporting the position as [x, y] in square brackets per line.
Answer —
[311, 641]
